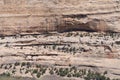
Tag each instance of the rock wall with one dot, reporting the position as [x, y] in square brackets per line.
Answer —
[34, 16]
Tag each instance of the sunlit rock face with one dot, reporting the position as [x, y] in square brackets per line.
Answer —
[35, 16]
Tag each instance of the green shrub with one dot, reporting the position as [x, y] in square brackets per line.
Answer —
[5, 74]
[69, 75]
[17, 64]
[23, 64]
[27, 71]
[63, 72]
[28, 64]
[35, 71]
[51, 72]
[38, 75]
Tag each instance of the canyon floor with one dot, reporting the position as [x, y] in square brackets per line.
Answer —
[79, 52]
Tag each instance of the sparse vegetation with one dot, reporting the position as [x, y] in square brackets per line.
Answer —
[5, 74]
[71, 71]
[79, 45]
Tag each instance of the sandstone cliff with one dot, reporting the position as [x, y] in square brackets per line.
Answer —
[34, 16]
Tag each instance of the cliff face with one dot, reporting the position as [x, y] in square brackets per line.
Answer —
[89, 51]
[34, 16]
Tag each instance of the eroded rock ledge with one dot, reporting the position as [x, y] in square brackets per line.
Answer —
[35, 16]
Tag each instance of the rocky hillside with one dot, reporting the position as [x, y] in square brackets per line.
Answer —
[76, 55]
[71, 55]
[34, 16]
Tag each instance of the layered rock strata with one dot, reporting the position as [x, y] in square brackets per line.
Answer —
[35, 16]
